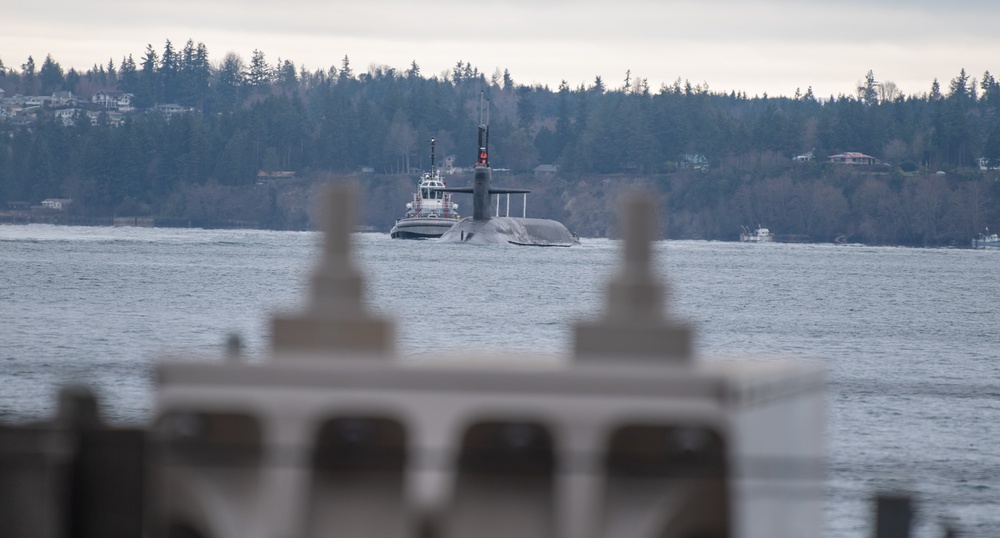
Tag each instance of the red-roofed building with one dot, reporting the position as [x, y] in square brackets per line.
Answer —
[853, 157]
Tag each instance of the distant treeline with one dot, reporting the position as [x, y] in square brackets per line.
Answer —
[258, 116]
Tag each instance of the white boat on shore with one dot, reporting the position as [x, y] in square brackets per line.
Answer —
[760, 235]
[431, 213]
[986, 240]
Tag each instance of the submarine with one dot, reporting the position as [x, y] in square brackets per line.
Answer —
[483, 229]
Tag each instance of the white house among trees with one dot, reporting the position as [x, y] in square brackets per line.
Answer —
[113, 100]
[56, 203]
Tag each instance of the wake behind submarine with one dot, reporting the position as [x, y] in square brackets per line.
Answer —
[483, 229]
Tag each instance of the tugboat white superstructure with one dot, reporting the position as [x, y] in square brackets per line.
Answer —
[760, 235]
[431, 213]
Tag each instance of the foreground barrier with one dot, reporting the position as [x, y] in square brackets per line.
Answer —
[630, 436]
[333, 435]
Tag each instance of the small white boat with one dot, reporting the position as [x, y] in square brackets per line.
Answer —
[760, 235]
[986, 240]
[431, 213]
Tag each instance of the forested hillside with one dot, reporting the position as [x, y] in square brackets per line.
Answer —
[247, 117]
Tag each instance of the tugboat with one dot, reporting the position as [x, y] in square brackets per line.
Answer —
[986, 240]
[431, 213]
[760, 235]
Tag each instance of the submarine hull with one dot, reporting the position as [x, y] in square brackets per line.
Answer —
[510, 230]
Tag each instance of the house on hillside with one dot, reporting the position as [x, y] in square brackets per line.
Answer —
[853, 158]
[691, 161]
[66, 116]
[56, 203]
[804, 158]
[987, 164]
[32, 101]
[113, 100]
[114, 119]
[62, 98]
[9, 106]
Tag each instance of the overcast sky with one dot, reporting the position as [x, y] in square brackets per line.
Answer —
[773, 46]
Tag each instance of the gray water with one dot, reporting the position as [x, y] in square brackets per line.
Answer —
[908, 336]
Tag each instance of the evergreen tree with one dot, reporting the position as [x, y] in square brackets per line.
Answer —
[188, 93]
[259, 76]
[148, 86]
[50, 76]
[29, 80]
[640, 144]
[990, 88]
[128, 76]
[414, 70]
[470, 73]
[642, 87]
[345, 69]
[42, 178]
[991, 149]
[400, 143]
[952, 129]
[562, 134]
[958, 89]
[96, 75]
[287, 76]
[169, 74]
[516, 150]
[229, 82]
[935, 91]
[196, 74]
[867, 91]
[71, 81]
[598, 87]
[526, 108]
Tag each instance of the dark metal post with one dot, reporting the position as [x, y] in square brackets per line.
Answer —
[893, 515]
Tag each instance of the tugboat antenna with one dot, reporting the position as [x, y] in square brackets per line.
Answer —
[432, 156]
